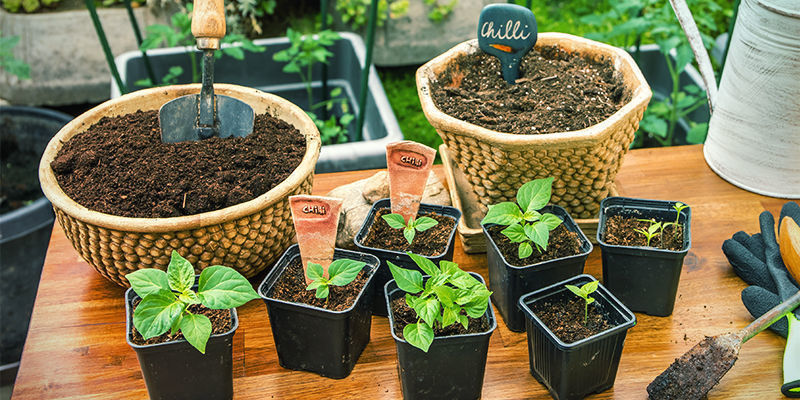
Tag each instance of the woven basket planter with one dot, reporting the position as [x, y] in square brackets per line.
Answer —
[247, 237]
[584, 163]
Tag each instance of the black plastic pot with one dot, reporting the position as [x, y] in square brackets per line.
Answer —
[399, 258]
[509, 282]
[177, 370]
[644, 278]
[314, 339]
[453, 367]
[574, 370]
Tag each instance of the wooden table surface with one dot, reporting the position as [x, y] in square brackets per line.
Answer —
[76, 344]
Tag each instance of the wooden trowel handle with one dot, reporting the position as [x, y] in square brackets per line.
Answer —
[208, 23]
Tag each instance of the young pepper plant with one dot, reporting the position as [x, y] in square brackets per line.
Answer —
[448, 296]
[584, 292]
[410, 229]
[341, 272]
[525, 224]
[166, 297]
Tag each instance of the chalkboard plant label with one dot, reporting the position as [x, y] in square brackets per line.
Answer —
[316, 219]
[508, 32]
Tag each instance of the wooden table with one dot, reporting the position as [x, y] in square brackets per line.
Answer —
[76, 343]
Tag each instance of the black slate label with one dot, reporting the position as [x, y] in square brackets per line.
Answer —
[508, 32]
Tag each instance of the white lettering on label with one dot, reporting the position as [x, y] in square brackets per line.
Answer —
[313, 209]
[511, 31]
[411, 160]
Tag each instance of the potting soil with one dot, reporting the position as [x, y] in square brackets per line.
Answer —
[430, 242]
[291, 286]
[621, 231]
[562, 243]
[565, 318]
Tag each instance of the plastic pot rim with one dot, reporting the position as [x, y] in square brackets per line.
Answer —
[655, 252]
[626, 313]
[581, 237]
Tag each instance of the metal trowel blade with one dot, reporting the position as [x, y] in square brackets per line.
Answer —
[178, 119]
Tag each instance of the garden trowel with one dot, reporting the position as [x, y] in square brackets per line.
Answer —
[197, 117]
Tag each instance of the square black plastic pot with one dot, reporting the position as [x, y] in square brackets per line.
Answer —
[509, 282]
[400, 258]
[453, 367]
[574, 370]
[176, 370]
[644, 278]
[314, 339]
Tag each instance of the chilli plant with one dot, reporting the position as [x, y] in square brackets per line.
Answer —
[584, 292]
[340, 273]
[524, 223]
[447, 297]
[166, 297]
[410, 229]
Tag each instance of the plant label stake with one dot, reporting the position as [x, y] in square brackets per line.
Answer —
[316, 219]
[508, 32]
[409, 164]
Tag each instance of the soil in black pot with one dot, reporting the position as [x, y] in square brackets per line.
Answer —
[291, 286]
[19, 175]
[431, 242]
[119, 166]
[564, 317]
[404, 315]
[220, 323]
[562, 243]
[621, 231]
[557, 92]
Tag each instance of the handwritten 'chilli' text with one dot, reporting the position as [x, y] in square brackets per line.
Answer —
[314, 209]
[511, 31]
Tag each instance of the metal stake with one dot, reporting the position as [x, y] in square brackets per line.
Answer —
[362, 101]
[138, 34]
[101, 34]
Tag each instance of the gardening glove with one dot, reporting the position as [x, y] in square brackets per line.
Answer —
[757, 260]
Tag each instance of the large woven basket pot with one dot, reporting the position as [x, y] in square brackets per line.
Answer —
[247, 237]
[584, 163]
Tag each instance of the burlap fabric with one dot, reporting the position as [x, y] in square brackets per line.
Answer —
[247, 237]
[584, 163]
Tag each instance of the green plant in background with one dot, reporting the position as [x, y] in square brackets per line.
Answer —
[584, 292]
[9, 62]
[341, 272]
[244, 16]
[440, 11]
[300, 57]
[421, 224]
[354, 12]
[525, 224]
[166, 297]
[401, 89]
[446, 298]
[28, 6]
[180, 34]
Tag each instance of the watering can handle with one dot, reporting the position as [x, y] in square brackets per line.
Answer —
[696, 43]
[208, 23]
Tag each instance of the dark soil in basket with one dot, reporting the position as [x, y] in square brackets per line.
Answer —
[564, 317]
[119, 166]
[562, 243]
[291, 286]
[404, 315]
[557, 92]
[220, 323]
[620, 231]
[19, 175]
[431, 242]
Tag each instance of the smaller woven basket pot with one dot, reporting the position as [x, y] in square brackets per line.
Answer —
[247, 237]
[584, 163]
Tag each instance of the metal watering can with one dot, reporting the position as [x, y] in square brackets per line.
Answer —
[754, 133]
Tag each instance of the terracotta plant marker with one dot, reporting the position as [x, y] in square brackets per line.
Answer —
[315, 220]
[508, 32]
[409, 164]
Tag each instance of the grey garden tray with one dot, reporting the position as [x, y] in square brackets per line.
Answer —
[259, 71]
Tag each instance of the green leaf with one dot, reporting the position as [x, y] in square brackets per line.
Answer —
[196, 329]
[343, 271]
[525, 250]
[315, 284]
[478, 305]
[464, 321]
[396, 221]
[446, 295]
[156, 313]
[424, 264]
[148, 280]
[515, 233]
[408, 280]
[222, 287]
[180, 273]
[505, 213]
[551, 221]
[189, 297]
[409, 233]
[539, 233]
[697, 133]
[322, 291]
[428, 310]
[535, 194]
[314, 271]
[576, 290]
[424, 223]
[419, 336]
[411, 300]
[449, 316]
[654, 125]
[531, 216]
[590, 287]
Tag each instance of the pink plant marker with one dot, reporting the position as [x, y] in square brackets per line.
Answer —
[409, 165]
[316, 219]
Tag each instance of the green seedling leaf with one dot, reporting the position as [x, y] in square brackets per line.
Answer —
[505, 213]
[449, 316]
[409, 281]
[419, 336]
[342, 271]
[395, 221]
[425, 264]
[409, 234]
[314, 271]
[428, 310]
[464, 321]
[180, 273]
[584, 292]
[156, 313]
[424, 223]
[538, 233]
[532, 216]
[551, 221]
[196, 329]
[678, 206]
[446, 296]
[411, 300]
[189, 297]
[515, 233]
[222, 287]
[525, 250]
[535, 194]
[148, 280]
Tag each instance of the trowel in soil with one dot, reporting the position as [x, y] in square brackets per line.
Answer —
[197, 117]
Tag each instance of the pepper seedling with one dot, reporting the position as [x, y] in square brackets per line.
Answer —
[525, 224]
[678, 206]
[166, 297]
[652, 231]
[584, 292]
[421, 224]
[341, 271]
[448, 296]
